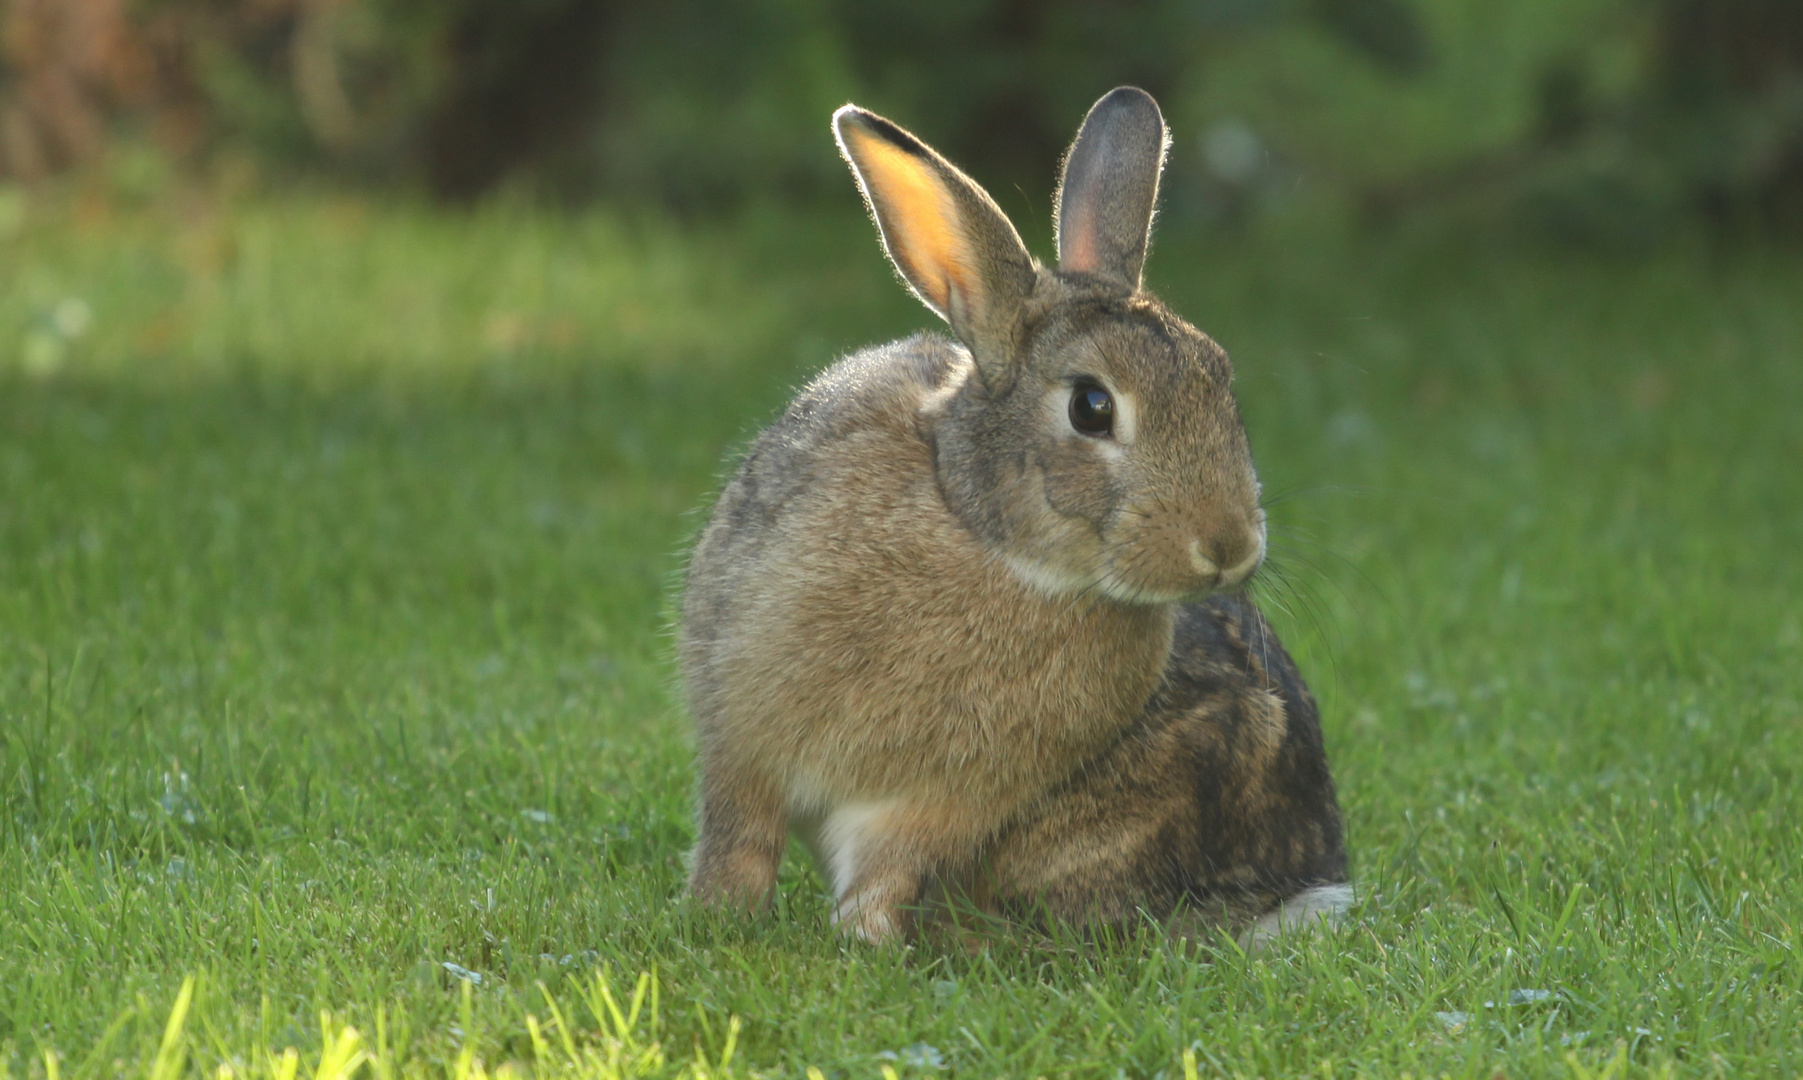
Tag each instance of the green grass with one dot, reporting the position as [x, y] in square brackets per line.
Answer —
[336, 552]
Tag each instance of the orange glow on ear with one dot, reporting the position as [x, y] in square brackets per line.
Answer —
[1079, 237]
[919, 218]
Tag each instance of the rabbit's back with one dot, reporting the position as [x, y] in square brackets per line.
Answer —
[1218, 797]
[864, 402]
[867, 398]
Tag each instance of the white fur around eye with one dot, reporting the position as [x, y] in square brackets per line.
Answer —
[1126, 417]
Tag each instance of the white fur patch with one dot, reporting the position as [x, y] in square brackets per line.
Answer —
[1204, 565]
[844, 836]
[1058, 585]
[1307, 910]
[1045, 580]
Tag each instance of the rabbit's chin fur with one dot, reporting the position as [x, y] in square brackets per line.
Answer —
[1054, 582]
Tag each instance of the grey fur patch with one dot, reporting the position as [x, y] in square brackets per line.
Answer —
[1308, 910]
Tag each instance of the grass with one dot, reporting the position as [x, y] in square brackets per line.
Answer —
[337, 714]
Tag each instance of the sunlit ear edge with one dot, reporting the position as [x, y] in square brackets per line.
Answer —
[908, 194]
[1076, 221]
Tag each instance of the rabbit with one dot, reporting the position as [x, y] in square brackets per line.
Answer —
[966, 616]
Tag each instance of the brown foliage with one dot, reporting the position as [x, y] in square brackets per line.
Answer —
[74, 73]
[67, 65]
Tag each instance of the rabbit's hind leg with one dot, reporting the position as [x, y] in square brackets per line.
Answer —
[744, 831]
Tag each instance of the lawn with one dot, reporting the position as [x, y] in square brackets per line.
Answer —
[338, 542]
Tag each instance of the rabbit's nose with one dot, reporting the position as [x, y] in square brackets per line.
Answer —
[1205, 566]
[1228, 560]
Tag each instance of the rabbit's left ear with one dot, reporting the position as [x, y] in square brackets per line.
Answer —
[1110, 187]
[951, 243]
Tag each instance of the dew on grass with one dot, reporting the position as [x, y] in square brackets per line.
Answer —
[1351, 428]
[1525, 997]
[920, 1055]
[42, 353]
[175, 800]
[173, 805]
[587, 958]
[72, 317]
[461, 972]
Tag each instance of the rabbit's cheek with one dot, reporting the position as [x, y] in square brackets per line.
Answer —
[1079, 482]
[1052, 532]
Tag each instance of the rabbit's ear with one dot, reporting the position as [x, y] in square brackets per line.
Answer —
[951, 243]
[1110, 187]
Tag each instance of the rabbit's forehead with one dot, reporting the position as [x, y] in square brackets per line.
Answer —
[1144, 352]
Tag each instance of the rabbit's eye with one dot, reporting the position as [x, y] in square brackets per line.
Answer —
[1092, 410]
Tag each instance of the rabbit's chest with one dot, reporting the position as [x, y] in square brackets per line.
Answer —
[892, 654]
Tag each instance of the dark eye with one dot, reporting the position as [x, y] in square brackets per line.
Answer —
[1092, 410]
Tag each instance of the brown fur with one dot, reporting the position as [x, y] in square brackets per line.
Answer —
[944, 637]
[1217, 799]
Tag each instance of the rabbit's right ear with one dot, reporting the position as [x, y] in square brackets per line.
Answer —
[951, 243]
[1109, 189]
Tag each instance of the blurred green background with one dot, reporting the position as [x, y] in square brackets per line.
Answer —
[1595, 120]
[363, 364]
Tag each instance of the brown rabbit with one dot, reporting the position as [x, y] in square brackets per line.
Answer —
[960, 619]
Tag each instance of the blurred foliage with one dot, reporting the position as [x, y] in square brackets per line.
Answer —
[1718, 117]
[1666, 111]
[698, 103]
[1591, 119]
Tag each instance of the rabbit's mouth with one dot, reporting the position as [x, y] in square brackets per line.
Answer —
[1228, 577]
[1159, 564]
[1152, 567]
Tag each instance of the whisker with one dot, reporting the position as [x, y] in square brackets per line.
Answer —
[1299, 604]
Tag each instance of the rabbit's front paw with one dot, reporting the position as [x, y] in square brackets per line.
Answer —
[738, 875]
[745, 888]
[743, 834]
[869, 916]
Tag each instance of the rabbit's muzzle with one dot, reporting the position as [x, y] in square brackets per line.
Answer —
[1227, 563]
[1168, 560]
